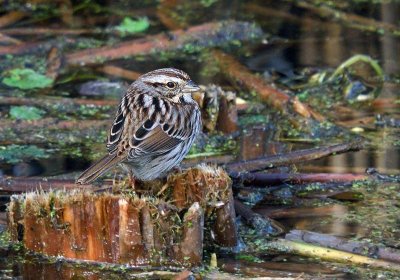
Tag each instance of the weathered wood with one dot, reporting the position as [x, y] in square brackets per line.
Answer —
[108, 228]
[271, 179]
[240, 75]
[334, 242]
[211, 187]
[205, 35]
[235, 168]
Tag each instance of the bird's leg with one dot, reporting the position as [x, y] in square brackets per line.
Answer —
[131, 179]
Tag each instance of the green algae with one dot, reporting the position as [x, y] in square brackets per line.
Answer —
[26, 113]
[25, 78]
[12, 154]
[132, 26]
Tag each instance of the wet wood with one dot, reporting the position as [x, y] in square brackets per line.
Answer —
[241, 76]
[11, 18]
[262, 224]
[217, 199]
[272, 179]
[308, 269]
[235, 168]
[118, 72]
[227, 120]
[334, 242]
[205, 35]
[4, 39]
[53, 63]
[332, 255]
[107, 228]
[353, 20]
[301, 212]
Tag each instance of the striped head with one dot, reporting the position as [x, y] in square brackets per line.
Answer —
[170, 83]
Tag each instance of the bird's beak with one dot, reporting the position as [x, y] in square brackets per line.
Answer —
[191, 87]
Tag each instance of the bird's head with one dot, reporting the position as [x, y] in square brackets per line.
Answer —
[170, 83]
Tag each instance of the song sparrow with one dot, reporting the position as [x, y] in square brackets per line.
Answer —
[154, 128]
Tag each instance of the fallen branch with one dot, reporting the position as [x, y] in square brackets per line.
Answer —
[205, 35]
[9, 40]
[327, 254]
[11, 18]
[235, 168]
[330, 241]
[270, 179]
[239, 74]
[353, 20]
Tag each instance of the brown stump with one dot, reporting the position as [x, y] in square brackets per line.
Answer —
[108, 228]
[127, 229]
[211, 187]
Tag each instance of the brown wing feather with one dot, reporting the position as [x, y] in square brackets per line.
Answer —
[153, 140]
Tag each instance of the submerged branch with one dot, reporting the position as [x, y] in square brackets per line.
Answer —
[235, 168]
[270, 179]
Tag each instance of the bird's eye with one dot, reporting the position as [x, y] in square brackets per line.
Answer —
[171, 85]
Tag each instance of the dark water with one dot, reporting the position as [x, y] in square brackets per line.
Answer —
[299, 41]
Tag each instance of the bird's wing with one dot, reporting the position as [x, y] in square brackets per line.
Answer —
[117, 128]
[154, 138]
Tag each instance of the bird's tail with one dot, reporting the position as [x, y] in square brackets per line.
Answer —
[98, 168]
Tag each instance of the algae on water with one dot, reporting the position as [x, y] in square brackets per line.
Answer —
[25, 78]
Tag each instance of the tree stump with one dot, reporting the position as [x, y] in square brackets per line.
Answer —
[125, 228]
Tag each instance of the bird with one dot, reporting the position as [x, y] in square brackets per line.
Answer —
[155, 125]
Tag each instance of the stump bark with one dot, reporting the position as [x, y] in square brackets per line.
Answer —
[151, 230]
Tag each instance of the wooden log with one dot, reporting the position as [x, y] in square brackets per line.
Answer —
[205, 35]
